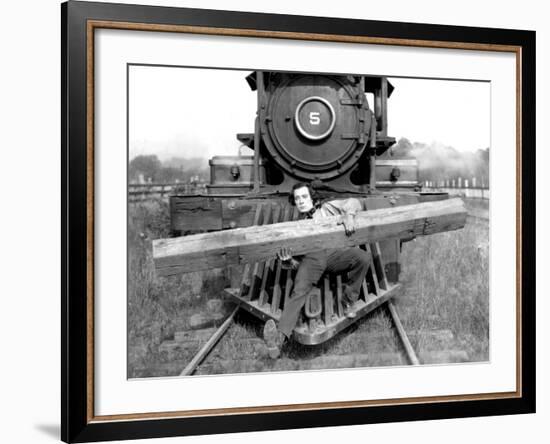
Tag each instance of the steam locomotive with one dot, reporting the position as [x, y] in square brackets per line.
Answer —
[330, 130]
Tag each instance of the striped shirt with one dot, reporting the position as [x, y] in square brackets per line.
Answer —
[336, 208]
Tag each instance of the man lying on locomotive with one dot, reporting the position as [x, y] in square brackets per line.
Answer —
[312, 266]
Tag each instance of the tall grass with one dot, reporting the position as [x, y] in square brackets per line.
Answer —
[446, 281]
[158, 306]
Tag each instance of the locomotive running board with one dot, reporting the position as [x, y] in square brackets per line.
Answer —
[303, 334]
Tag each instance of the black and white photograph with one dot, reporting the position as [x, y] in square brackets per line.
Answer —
[276, 222]
[284, 221]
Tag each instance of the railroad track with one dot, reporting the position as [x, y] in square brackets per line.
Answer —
[311, 360]
[377, 340]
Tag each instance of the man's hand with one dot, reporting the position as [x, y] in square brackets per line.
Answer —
[285, 256]
[348, 221]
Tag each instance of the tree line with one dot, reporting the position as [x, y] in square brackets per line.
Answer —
[149, 168]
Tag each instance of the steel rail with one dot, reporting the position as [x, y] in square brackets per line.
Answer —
[203, 352]
[409, 350]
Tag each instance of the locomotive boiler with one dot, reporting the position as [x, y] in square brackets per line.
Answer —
[330, 130]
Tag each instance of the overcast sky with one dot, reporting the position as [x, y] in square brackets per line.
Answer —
[188, 112]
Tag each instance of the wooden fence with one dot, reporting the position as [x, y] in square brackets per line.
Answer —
[470, 188]
[139, 192]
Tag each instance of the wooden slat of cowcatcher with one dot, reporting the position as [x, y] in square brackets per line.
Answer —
[259, 266]
[269, 264]
[245, 282]
[276, 300]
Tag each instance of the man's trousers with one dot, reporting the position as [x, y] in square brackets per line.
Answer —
[354, 261]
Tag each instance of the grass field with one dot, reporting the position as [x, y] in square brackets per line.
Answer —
[446, 282]
[444, 304]
[157, 307]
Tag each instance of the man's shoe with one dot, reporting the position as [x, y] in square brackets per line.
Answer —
[273, 338]
[349, 311]
[349, 307]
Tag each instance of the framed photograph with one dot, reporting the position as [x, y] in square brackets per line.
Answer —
[275, 222]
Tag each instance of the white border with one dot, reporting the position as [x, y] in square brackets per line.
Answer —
[116, 395]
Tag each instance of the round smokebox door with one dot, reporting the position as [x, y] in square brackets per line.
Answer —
[315, 118]
[312, 125]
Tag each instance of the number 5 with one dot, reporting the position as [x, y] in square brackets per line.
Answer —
[314, 118]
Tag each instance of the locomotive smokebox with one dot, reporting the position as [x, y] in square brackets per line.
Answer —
[316, 126]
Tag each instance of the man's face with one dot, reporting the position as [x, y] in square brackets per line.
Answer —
[303, 199]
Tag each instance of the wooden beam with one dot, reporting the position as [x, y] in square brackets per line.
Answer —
[256, 243]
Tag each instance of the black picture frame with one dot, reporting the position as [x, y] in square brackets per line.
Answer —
[78, 423]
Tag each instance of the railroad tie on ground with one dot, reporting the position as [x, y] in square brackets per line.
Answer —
[261, 242]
